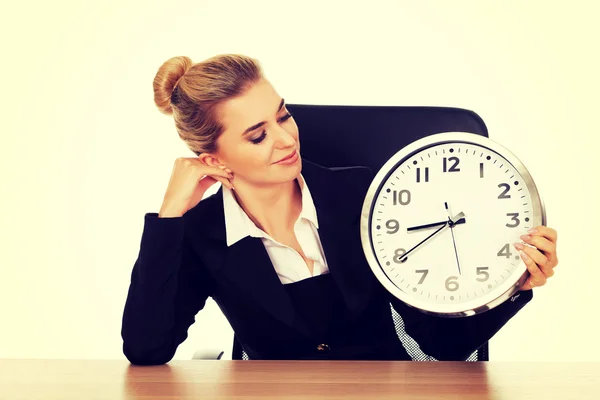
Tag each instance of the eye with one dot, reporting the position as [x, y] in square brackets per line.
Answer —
[260, 138]
[285, 117]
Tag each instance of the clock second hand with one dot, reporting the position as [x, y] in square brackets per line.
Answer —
[451, 223]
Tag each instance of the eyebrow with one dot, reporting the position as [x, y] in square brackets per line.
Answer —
[256, 126]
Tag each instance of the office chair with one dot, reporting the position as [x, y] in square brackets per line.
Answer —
[339, 136]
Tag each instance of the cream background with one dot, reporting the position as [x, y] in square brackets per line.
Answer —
[85, 152]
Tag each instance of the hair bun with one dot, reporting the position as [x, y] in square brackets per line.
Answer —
[165, 80]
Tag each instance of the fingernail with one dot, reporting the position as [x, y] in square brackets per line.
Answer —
[518, 246]
[524, 256]
[532, 230]
[525, 238]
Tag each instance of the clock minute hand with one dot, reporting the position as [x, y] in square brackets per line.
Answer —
[445, 225]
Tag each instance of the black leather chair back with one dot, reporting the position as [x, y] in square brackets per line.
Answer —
[340, 136]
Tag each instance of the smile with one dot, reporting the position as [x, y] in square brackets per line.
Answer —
[289, 159]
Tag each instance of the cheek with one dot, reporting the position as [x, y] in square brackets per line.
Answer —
[254, 158]
[261, 155]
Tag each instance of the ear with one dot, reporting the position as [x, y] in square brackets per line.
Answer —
[210, 160]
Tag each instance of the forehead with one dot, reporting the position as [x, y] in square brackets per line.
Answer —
[256, 104]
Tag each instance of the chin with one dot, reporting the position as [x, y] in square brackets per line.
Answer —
[292, 173]
[295, 172]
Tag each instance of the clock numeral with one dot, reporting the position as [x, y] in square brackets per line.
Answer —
[452, 284]
[481, 170]
[392, 225]
[483, 271]
[453, 168]
[506, 187]
[426, 174]
[505, 251]
[515, 217]
[402, 197]
[398, 256]
[424, 272]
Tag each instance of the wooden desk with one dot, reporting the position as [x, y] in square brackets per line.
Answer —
[83, 379]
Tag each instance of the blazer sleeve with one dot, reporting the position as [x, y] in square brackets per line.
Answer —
[165, 293]
[455, 339]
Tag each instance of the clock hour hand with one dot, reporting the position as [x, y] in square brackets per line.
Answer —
[434, 224]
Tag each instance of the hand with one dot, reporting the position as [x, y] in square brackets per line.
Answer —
[434, 224]
[189, 181]
[451, 224]
[444, 225]
[541, 259]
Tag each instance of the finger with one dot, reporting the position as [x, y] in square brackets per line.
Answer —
[226, 182]
[219, 172]
[537, 277]
[544, 231]
[528, 285]
[206, 169]
[538, 258]
[544, 245]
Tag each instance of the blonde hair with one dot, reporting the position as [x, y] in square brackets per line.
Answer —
[191, 93]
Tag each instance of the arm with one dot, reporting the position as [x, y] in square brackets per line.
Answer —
[455, 339]
[164, 295]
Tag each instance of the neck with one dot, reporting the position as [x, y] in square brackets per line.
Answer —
[273, 208]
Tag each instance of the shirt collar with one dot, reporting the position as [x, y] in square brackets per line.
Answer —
[238, 225]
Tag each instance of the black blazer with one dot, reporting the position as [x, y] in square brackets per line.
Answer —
[184, 260]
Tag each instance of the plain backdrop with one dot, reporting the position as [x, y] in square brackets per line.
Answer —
[85, 153]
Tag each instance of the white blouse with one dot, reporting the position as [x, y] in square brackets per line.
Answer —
[288, 263]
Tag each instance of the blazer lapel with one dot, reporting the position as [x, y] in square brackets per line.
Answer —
[245, 265]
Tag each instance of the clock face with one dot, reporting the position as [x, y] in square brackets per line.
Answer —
[442, 222]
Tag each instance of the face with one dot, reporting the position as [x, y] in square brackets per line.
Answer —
[260, 142]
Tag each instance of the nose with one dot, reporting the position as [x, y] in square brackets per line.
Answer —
[284, 139]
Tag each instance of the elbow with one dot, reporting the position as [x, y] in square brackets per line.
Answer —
[138, 356]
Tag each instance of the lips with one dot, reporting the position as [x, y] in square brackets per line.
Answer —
[287, 157]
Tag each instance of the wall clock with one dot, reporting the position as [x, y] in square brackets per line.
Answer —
[439, 221]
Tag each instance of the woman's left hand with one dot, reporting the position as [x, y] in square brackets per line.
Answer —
[541, 259]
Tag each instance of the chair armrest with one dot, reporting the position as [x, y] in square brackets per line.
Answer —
[208, 354]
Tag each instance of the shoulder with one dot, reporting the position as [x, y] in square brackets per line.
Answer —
[359, 177]
[207, 217]
[350, 178]
[337, 188]
[337, 185]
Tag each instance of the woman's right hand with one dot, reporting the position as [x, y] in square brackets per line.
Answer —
[189, 181]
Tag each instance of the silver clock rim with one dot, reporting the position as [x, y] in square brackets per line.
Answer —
[445, 310]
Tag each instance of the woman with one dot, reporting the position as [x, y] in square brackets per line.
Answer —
[276, 247]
